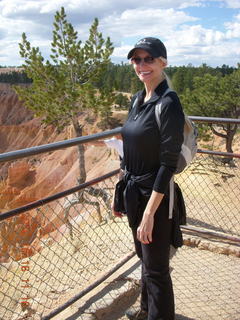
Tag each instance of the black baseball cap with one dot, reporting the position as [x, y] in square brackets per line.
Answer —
[152, 45]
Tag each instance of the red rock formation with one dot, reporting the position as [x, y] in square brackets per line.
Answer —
[12, 111]
[31, 179]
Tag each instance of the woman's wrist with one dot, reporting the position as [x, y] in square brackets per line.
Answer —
[153, 203]
[149, 213]
[121, 174]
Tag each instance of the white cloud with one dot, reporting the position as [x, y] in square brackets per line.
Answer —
[139, 22]
[186, 44]
[213, 55]
[125, 21]
[12, 8]
[196, 45]
[37, 34]
[196, 36]
[24, 8]
[121, 51]
[235, 4]
[233, 28]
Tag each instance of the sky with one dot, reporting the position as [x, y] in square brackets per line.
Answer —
[194, 31]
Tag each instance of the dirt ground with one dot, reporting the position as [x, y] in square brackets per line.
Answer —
[206, 286]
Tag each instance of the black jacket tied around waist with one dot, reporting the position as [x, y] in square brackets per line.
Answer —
[133, 195]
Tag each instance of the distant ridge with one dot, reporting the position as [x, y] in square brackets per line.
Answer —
[11, 69]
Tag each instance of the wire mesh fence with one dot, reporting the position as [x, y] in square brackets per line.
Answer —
[58, 248]
[206, 286]
[212, 192]
[53, 252]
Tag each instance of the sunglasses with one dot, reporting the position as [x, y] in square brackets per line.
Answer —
[147, 60]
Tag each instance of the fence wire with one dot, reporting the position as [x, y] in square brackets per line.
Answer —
[212, 192]
[57, 250]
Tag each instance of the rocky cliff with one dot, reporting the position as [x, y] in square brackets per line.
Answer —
[30, 179]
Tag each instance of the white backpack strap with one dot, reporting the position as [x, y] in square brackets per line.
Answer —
[171, 197]
[158, 107]
[158, 110]
[135, 103]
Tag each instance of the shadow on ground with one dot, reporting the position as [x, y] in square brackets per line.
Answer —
[180, 317]
[114, 310]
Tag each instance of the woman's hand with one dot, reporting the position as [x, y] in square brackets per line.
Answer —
[116, 213]
[144, 231]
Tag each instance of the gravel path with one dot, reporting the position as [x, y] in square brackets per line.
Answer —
[206, 286]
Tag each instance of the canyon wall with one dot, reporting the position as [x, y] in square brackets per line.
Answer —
[30, 179]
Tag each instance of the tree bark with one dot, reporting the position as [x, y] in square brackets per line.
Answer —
[96, 192]
[230, 132]
[81, 152]
[230, 135]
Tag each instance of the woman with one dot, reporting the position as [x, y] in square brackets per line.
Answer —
[150, 159]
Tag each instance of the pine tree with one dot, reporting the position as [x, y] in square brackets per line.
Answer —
[216, 96]
[63, 87]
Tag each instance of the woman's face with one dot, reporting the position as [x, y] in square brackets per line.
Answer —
[148, 72]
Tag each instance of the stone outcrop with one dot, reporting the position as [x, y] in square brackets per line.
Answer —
[12, 111]
[33, 178]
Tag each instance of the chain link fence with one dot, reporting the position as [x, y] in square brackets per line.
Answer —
[62, 248]
[212, 192]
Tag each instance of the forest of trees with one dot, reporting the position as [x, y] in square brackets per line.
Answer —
[13, 77]
[204, 90]
[121, 77]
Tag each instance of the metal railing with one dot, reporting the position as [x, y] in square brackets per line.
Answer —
[56, 250]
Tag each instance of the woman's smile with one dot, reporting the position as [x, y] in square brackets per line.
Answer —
[144, 74]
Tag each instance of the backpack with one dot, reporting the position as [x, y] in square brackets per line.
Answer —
[190, 133]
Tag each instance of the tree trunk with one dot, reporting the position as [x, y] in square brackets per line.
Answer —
[229, 140]
[230, 132]
[81, 152]
[96, 192]
[230, 135]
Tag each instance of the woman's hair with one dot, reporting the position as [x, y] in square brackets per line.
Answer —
[169, 82]
[163, 60]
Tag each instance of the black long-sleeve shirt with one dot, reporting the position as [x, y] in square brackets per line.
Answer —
[148, 149]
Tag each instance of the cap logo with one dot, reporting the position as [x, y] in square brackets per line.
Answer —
[143, 41]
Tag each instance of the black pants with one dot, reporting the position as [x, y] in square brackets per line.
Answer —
[156, 284]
